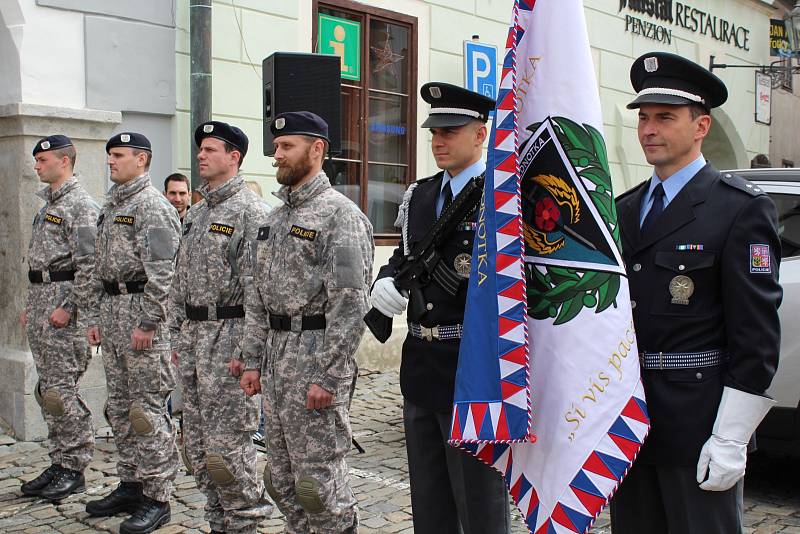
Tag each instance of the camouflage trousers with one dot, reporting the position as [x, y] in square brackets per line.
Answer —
[138, 384]
[218, 422]
[307, 475]
[61, 356]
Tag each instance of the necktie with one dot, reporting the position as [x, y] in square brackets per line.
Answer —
[655, 210]
[447, 195]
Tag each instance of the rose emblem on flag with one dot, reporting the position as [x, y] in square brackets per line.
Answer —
[547, 214]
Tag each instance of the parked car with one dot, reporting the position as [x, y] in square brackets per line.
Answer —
[780, 430]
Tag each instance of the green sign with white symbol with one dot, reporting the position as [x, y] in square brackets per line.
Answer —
[341, 37]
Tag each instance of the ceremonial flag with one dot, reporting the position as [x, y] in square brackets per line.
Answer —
[548, 388]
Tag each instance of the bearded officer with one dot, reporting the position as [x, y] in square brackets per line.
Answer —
[313, 263]
[701, 249]
[449, 487]
[137, 236]
[60, 262]
[207, 323]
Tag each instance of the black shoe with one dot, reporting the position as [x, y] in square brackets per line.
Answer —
[125, 498]
[150, 515]
[65, 483]
[34, 487]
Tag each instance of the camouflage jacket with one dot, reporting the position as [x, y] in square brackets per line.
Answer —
[137, 236]
[313, 256]
[213, 262]
[63, 239]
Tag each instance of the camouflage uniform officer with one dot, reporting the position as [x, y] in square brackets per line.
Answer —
[61, 260]
[137, 236]
[312, 267]
[207, 324]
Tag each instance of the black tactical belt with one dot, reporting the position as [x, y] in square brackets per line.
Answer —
[440, 332]
[307, 322]
[681, 360]
[215, 313]
[116, 288]
[44, 277]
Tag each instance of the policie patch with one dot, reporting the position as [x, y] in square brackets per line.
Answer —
[760, 259]
[303, 233]
[219, 228]
[124, 219]
[52, 218]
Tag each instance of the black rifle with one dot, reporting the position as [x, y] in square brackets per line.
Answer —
[424, 263]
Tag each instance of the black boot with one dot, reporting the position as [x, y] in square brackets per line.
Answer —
[65, 483]
[34, 487]
[125, 498]
[150, 515]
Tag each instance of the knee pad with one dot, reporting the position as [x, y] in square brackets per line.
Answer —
[139, 421]
[37, 393]
[52, 403]
[217, 469]
[307, 490]
[271, 491]
[185, 458]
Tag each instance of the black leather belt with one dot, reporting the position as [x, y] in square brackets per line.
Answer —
[201, 313]
[116, 288]
[44, 277]
[307, 322]
[681, 360]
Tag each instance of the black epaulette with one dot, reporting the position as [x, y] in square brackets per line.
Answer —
[631, 190]
[737, 182]
[429, 178]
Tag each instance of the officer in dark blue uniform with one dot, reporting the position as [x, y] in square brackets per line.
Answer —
[448, 486]
[701, 249]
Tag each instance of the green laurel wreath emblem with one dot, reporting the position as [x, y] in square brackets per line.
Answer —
[560, 292]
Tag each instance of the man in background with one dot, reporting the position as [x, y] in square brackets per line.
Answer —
[176, 189]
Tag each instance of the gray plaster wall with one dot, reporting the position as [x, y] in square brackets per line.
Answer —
[161, 12]
[129, 66]
[11, 84]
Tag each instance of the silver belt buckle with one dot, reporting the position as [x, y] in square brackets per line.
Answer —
[429, 334]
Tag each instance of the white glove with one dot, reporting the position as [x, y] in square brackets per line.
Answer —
[724, 455]
[387, 299]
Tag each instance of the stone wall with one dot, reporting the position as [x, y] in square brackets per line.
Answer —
[21, 125]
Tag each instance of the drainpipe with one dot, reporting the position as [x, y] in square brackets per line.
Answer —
[200, 80]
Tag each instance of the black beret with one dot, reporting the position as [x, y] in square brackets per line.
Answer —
[453, 106]
[51, 142]
[299, 123]
[664, 78]
[223, 131]
[130, 140]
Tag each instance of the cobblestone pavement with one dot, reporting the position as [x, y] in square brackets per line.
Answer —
[379, 477]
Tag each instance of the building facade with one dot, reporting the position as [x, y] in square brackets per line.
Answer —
[89, 68]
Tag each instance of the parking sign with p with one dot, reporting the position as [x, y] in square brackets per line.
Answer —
[480, 68]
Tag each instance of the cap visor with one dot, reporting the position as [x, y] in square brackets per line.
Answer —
[660, 99]
[446, 121]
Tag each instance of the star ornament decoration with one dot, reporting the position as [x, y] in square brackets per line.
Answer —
[387, 59]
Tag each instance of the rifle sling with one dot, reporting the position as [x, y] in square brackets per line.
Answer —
[462, 206]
